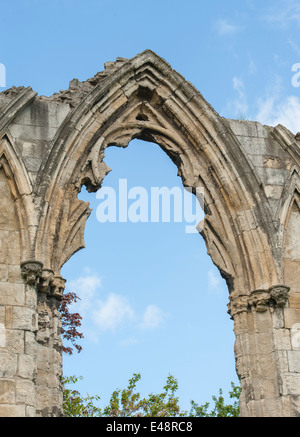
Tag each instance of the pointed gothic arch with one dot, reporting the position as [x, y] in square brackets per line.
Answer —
[146, 99]
[20, 188]
[51, 146]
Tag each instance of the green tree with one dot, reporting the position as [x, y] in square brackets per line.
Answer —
[74, 405]
[128, 403]
[219, 409]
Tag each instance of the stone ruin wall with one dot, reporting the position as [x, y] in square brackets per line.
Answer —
[51, 146]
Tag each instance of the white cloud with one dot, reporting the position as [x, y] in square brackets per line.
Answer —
[103, 311]
[86, 288]
[225, 28]
[294, 46]
[273, 111]
[130, 341]
[239, 106]
[153, 317]
[287, 12]
[111, 313]
[238, 85]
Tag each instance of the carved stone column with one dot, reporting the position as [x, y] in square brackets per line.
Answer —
[49, 345]
[260, 350]
[21, 320]
[44, 291]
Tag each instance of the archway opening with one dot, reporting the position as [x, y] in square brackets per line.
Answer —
[151, 299]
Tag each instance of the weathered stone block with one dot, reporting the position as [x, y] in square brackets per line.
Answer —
[8, 365]
[242, 128]
[9, 317]
[25, 133]
[270, 161]
[43, 354]
[273, 191]
[14, 341]
[282, 360]
[9, 247]
[295, 407]
[30, 343]
[282, 339]
[30, 411]
[271, 407]
[3, 273]
[12, 294]
[294, 301]
[272, 176]
[253, 146]
[291, 317]
[2, 314]
[7, 410]
[292, 383]
[27, 366]
[294, 361]
[291, 270]
[266, 389]
[42, 399]
[262, 131]
[25, 392]
[7, 391]
[31, 297]
[256, 160]
[286, 405]
[25, 318]
[42, 376]
[11, 273]
[278, 318]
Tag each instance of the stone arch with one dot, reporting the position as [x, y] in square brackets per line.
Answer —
[250, 174]
[290, 222]
[290, 199]
[144, 98]
[12, 163]
[289, 196]
[20, 188]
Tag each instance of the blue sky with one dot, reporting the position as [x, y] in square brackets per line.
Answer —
[151, 298]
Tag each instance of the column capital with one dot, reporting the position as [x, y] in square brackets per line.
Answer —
[280, 293]
[31, 271]
[46, 277]
[258, 300]
[52, 285]
[57, 287]
[45, 280]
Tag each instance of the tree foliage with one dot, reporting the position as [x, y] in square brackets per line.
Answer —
[219, 409]
[74, 405]
[70, 323]
[129, 403]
